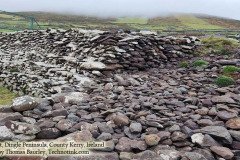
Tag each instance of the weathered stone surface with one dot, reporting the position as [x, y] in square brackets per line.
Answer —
[233, 123]
[5, 134]
[206, 153]
[4, 117]
[22, 128]
[45, 123]
[224, 152]
[197, 138]
[79, 136]
[23, 137]
[222, 99]
[217, 131]
[95, 155]
[49, 133]
[121, 120]
[225, 115]
[125, 88]
[145, 155]
[135, 127]
[152, 139]
[178, 136]
[169, 154]
[235, 134]
[64, 124]
[105, 136]
[235, 145]
[194, 155]
[76, 97]
[126, 145]
[126, 155]
[24, 103]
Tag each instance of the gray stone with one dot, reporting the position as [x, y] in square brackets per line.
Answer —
[145, 155]
[194, 156]
[24, 103]
[121, 120]
[5, 134]
[223, 99]
[64, 124]
[233, 123]
[152, 139]
[217, 131]
[224, 152]
[169, 154]
[125, 145]
[23, 137]
[135, 127]
[49, 133]
[235, 134]
[22, 128]
[174, 128]
[4, 117]
[225, 115]
[105, 136]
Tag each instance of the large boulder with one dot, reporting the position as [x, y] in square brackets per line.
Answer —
[24, 103]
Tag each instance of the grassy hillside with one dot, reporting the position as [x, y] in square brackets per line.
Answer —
[168, 23]
[6, 96]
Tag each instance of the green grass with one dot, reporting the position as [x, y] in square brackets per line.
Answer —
[171, 23]
[200, 63]
[5, 16]
[131, 20]
[6, 96]
[5, 30]
[230, 69]
[192, 22]
[218, 45]
[224, 81]
[184, 64]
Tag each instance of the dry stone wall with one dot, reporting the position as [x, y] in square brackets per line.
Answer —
[124, 88]
[42, 63]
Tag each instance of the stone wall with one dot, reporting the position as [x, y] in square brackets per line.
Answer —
[42, 63]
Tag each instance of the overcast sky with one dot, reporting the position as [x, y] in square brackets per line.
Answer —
[112, 8]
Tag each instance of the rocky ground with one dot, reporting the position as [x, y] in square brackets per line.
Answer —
[123, 88]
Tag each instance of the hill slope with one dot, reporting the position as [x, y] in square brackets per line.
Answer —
[168, 23]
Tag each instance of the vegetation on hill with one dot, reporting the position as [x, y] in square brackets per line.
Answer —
[218, 45]
[164, 23]
[6, 96]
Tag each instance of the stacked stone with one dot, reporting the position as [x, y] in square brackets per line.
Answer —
[162, 112]
[42, 63]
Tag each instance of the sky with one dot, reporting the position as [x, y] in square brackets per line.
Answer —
[121, 8]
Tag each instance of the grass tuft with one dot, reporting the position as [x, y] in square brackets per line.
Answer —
[200, 63]
[219, 45]
[224, 81]
[184, 64]
[230, 69]
[6, 96]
